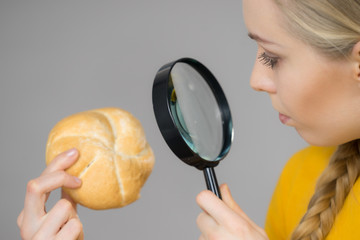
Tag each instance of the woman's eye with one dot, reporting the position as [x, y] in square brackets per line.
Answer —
[267, 60]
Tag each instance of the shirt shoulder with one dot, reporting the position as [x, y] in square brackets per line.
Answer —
[294, 189]
[308, 161]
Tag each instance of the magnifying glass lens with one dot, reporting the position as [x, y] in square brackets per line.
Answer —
[193, 116]
[196, 111]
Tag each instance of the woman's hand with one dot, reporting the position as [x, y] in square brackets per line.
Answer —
[224, 219]
[62, 221]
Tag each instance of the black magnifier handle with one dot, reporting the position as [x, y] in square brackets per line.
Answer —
[211, 182]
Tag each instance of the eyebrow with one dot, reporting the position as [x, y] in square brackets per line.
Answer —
[259, 39]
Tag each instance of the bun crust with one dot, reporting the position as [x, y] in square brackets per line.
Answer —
[115, 159]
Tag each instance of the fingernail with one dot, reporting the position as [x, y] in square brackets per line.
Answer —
[71, 152]
[77, 180]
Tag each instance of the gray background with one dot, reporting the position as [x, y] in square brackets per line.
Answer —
[62, 57]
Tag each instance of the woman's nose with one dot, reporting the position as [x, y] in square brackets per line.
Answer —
[262, 79]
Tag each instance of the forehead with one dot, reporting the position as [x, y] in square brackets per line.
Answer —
[264, 19]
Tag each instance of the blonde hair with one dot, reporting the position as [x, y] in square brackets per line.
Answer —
[331, 27]
[331, 190]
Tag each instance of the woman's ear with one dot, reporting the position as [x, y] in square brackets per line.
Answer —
[355, 55]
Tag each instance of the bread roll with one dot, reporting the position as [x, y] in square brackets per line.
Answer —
[115, 159]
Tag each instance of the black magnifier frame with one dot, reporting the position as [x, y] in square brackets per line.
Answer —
[161, 96]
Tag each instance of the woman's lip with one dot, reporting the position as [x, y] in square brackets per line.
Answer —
[283, 118]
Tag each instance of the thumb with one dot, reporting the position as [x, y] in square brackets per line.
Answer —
[67, 197]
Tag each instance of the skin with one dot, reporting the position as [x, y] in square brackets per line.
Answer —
[62, 221]
[317, 96]
[224, 219]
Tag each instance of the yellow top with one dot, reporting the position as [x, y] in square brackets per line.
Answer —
[293, 192]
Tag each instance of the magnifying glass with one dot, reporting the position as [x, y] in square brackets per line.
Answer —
[193, 116]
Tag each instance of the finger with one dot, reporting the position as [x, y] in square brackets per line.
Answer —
[210, 229]
[20, 219]
[62, 161]
[59, 215]
[71, 230]
[205, 223]
[202, 237]
[67, 197]
[230, 202]
[81, 235]
[216, 208]
[37, 188]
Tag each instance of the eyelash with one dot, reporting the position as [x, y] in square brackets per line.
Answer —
[268, 61]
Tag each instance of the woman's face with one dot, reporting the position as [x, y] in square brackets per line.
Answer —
[318, 96]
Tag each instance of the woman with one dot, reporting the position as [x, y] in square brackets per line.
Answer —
[309, 64]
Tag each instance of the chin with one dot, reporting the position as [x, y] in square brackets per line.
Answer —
[319, 140]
